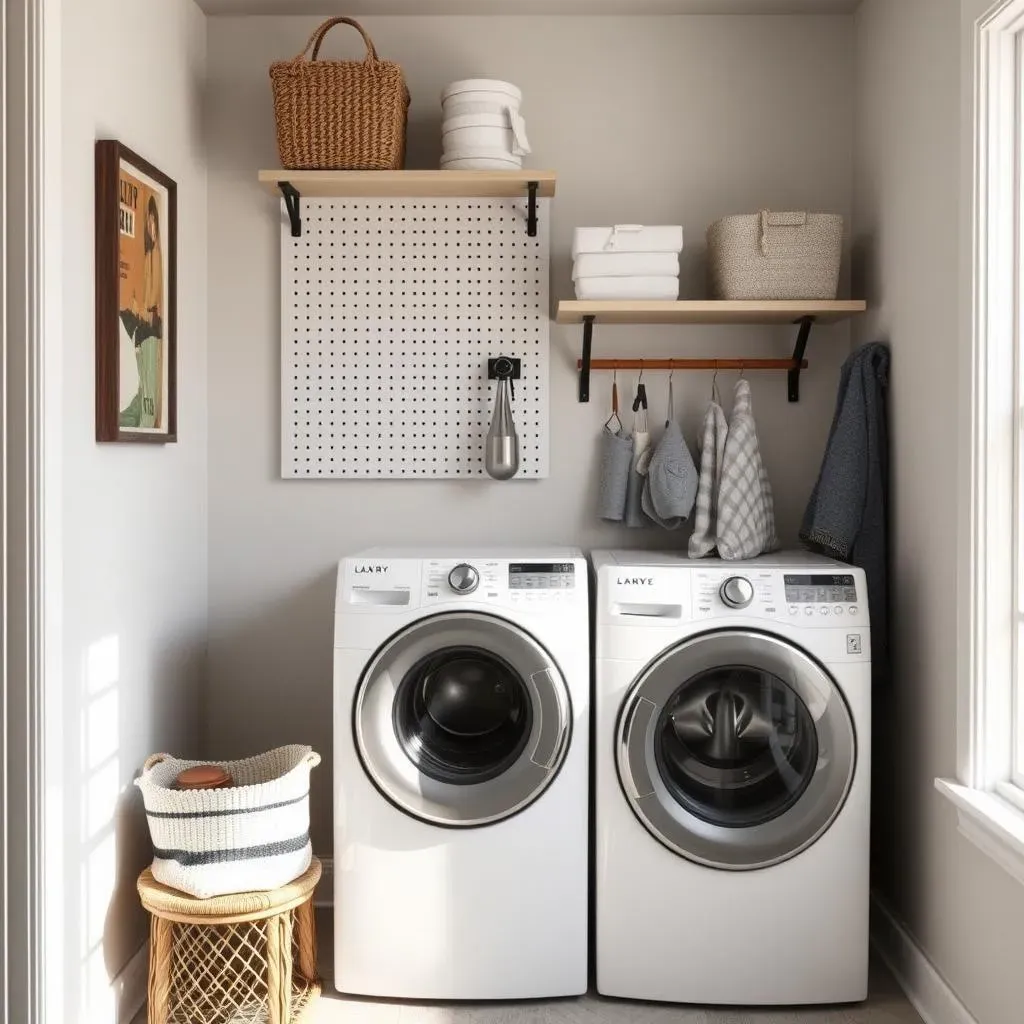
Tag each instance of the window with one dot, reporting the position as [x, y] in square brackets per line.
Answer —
[990, 791]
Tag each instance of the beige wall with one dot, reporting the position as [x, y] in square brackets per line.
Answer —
[966, 913]
[649, 120]
[134, 516]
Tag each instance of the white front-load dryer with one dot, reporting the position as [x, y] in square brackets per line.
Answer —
[461, 735]
[732, 767]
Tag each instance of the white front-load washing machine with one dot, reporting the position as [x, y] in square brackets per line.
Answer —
[732, 767]
[462, 704]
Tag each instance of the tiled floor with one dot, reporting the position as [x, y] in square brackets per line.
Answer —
[885, 1005]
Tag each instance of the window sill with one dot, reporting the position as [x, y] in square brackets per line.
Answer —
[992, 823]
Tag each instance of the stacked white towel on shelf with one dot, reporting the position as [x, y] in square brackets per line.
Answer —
[482, 128]
[627, 261]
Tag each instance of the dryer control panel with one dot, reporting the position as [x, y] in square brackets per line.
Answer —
[810, 599]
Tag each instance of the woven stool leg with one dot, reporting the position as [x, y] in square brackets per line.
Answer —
[305, 939]
[279, 968]
[161, 942]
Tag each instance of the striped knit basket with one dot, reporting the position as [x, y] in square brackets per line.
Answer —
[248, 837]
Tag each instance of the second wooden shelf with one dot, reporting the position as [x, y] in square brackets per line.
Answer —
[708, 311]
[750, 312]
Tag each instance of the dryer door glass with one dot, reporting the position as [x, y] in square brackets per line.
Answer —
[736, 746]
[462, 719]
[736, 749]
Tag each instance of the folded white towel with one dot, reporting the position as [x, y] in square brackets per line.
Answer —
[627, 288]
[626, 264]
[628, 238]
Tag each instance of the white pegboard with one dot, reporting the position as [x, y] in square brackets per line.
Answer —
[390, 309]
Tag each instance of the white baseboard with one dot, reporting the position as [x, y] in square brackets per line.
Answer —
[130, 985]
[324, 894]
[928, 992]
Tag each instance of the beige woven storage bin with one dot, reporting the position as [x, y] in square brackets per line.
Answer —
[775, 256]
[343, 115]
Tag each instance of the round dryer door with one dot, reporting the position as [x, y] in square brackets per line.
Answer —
[735, 749]
[462, 719]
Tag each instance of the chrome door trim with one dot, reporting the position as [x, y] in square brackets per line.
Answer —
[467, 805]
[717, 846]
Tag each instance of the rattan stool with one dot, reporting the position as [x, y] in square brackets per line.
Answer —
[247, 957]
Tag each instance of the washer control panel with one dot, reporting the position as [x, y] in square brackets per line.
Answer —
[464, 578]
[503, 581]
[541, 576]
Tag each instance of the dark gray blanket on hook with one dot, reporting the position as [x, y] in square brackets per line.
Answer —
[846, 516]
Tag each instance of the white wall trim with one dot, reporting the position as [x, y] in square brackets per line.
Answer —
[31, 308]
[991, 823]
[987, 515]
[130, 986]
[929, 993]
[324, 894]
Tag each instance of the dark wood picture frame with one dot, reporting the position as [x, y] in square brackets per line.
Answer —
[110, 157]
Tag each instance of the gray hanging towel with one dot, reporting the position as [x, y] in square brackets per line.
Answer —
[746, 515]
[712, 453]
[616, 463]
[670, 486]
[635, 517]
[846, 515]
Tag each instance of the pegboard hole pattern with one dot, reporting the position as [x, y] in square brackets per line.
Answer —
[390, 309]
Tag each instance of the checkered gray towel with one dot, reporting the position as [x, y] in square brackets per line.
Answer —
[712, 451]
[746, 514]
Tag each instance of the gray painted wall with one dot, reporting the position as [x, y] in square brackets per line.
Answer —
[134, 516]
[650, 120]
[965, 911]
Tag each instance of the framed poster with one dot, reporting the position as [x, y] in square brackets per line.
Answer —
[136, 298]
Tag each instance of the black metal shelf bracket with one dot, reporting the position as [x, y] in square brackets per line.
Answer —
[798, 357]
[531, 209]
[292, 202]
[588, 332]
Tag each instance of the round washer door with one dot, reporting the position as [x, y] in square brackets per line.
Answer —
[462, 719]
[735, 749]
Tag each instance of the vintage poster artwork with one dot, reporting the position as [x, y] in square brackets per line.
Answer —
[136, 295]
[143, 287]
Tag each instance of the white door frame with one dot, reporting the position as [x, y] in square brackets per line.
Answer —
[30, 582]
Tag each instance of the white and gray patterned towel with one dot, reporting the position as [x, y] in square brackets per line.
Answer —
[712, 451]
[746, 515]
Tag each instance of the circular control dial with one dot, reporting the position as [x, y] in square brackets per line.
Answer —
[463, 579]
[737, 592]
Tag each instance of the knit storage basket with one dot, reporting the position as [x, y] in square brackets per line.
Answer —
[248, 837]
[347, 115]
[775, 256]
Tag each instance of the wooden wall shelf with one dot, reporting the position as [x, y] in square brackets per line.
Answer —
[707, 312]
[294, 185]
[803, 313]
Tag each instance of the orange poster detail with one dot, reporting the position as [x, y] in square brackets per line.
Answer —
[141, 291]
[131, 227]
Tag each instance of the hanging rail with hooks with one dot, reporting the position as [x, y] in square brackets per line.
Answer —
[803, 314]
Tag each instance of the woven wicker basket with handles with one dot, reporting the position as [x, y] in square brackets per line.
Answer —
[347, 115]
[771, 255]
[248, 837]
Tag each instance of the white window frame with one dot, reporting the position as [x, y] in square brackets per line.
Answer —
[987, 793]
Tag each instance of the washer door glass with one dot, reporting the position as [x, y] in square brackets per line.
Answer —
[463, 715]
[462, 719]
[736, 749]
